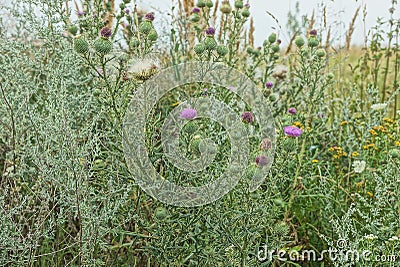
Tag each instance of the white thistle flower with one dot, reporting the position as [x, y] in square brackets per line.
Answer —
[143, 68]
[359, 166]
[379, 106]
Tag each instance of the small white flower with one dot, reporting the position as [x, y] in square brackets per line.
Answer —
[379, 106]
[144, 68]
[371, 237]
[393, 239]
[359, 166]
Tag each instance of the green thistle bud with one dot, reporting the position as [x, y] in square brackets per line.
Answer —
[195, 145]
[272, 38]
[239, 4]
[273, 97]
[299, 41]
[199, 49]
[257, 52]
[145, 27]
[266, 43]
[313, 42]
[275, 48]
[226, 7]
[222, 50]
[122, 6]
[161, 213]
[276, 56]
[194, 18]
[209, 4]
[153, 35]
[190, 127]
[81, 46]
[246, 12]
[201, 3]
[321, 53]
[210, 43]
[103, 45]
[73, 29]
[135, 42]
[250, 50]
[330, 76]
[127, 1]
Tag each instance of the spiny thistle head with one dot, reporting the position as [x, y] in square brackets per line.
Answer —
[222, 50]
[209, 4]
[81, 46]
[210, 43]
[226, 7]
[103, 45]
[299, 41]
[246, 12]
[145, 27]
[105, 32]
[239, 4]
[153, 35]
[73, 29]
[321, 53]
[194, 17]
[201, 3]
[272, 38]
[199, 49]
[135, 42]
[313, 42]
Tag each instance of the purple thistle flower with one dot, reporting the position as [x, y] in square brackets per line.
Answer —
[149, 16]
[105, 32]
[247, 6]
[196, 10]
[188, 113]
[248, 117]
[127, 11]
[210, 31]
[80, 13]
[261, 161]
[292, 111]
[313, 32]
[292, 131]
[269, 85]
[279, 41]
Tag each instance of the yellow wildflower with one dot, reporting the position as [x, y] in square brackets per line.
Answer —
[354, 154]
[314, 161]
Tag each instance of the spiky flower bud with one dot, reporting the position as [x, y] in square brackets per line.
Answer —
[153, 35]
[222, 50]
[272, 38]
[73, 29]
[81, 46]
[201, 3]
[313, 42]
[225, 7]
[145, 27]
[321, 53]
[199, 49]
[275, 48]
[238, 4]
[210, 43]
[299, 41]
[135, 42]
[209, 4]
[103, 45]
[246, 12]
[194, 17]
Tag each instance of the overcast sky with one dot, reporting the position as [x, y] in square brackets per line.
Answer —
[338, 10]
